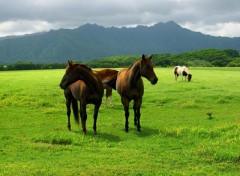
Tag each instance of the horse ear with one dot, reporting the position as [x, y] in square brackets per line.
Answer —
[69, 62]
[143, 57]
[151, 57]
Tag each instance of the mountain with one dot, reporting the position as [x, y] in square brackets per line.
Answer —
[92, 41]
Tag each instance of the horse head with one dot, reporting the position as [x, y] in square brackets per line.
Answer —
[146, 69]
[70, 76]
[189, 77]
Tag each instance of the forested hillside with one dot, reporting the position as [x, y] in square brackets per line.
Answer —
[206, 57]
[200, 58]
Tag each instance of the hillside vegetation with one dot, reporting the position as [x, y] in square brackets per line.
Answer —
[206, 57]
[199, 58]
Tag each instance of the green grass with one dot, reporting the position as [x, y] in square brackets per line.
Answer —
[177, 138]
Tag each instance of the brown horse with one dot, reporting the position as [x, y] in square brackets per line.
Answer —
[129, 85]
[107, 74]
[82, 84]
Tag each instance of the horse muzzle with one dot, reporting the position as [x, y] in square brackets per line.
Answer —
[62, 86]
[154, 81]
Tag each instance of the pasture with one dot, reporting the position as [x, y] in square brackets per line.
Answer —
[187, 128]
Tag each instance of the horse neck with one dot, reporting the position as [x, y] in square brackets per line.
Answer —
[88, 77]
[135, 75]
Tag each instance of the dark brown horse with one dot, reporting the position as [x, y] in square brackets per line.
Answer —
[80, 83]
[107, 74]
[130, 86]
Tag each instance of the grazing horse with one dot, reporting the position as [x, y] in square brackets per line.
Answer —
[80, 83]
[129, 85]
[107, 74]
[182, 70]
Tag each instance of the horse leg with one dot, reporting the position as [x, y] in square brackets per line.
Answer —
[110, 97]
[176, 76]
[96, 108]
[125, 103]
[136, 108]
[83, 115]
[135, 114]
[106, 100]
[68, 105]
[111, 102]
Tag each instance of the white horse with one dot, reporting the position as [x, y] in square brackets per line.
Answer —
[182, 70]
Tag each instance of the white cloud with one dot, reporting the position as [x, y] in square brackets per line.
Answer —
[215, 17]
[23, 27]
[230, 29]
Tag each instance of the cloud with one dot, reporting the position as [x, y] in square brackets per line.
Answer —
[229, 29]
[24, 27]
[215, 17]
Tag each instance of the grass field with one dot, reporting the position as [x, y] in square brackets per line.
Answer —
[178, 136]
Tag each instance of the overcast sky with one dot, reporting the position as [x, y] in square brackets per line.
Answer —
[214, 17]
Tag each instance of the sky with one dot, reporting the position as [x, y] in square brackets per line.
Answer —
[213, 17]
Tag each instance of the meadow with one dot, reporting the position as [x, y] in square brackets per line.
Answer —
[188, 128]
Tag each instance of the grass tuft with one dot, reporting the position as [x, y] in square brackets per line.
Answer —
[55, 139]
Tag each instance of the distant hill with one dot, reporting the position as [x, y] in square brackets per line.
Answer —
[199, 58]
[91, 41]
[196, 58]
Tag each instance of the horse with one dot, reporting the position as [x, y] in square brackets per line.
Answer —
[80, 83]
[182, 70]
[107, 74]
[129, 85]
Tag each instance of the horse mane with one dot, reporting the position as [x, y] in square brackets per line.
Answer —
[133, 64]
[82, 65]
[85, 66]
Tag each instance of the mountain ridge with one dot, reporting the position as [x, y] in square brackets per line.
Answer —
[92, 41]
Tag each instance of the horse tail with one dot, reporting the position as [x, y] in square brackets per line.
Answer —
[108, 92]
[111, 83]
[75, 110]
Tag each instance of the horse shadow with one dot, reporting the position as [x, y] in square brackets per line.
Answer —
[101, 136]
[147, 132]
[108, 137]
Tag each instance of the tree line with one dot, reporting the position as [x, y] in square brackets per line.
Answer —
[200, 58]
[31, 66]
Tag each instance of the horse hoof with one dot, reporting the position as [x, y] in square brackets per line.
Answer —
[139, 129]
